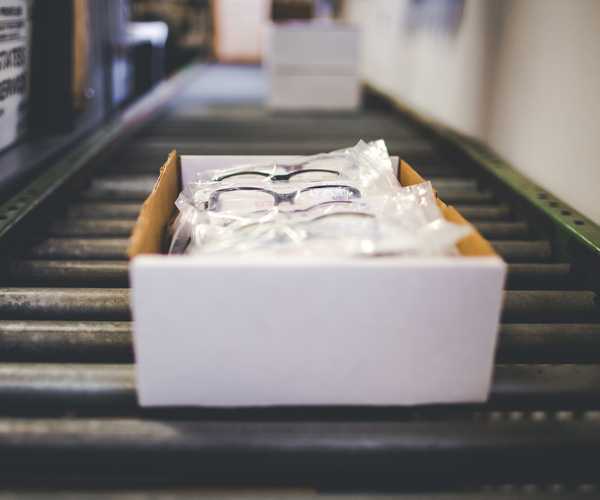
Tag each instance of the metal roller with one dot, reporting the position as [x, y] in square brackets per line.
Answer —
[130, 191]
[80, 248]
[66, 341]
[540, 276]
[116, 248]
[46, 386]
[353, 454]
[113, 303]
[503, 230]
[484, 212]
[110, 388]
[65, 303]
[300, 127]
[197, 145]
[100, 210]
[115, 273]
[550, 306]
[69, 272]
[149, 157]
[120, 187]
[110, 342]
[257, 118]
[433, 167]
[137, 187]
[428, 167]
[535, 386]
[455, 196]
[449, 182]
[496, 492]
[113, 228]
[549, 343]
[523, 251]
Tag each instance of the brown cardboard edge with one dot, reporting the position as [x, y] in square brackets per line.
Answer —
[149, 229]
[473, 245]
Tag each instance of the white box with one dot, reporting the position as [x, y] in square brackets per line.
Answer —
[290, 91]
[236, 332]
[312, 65]
[332, 47]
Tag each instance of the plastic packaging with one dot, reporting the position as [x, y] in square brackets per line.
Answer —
[347, 202]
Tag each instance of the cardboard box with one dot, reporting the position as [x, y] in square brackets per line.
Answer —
[235, 332]
[332, 47]
[312, 65]
[316, 92]
[238, 26]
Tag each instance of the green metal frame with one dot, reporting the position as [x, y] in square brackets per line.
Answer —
[568, 220]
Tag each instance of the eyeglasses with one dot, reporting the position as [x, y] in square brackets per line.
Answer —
[319, 169]
[307, 175]
[253, 198]
[349, 225]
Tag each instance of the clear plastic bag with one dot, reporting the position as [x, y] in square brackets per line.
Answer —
[366, 165]
[348, 202]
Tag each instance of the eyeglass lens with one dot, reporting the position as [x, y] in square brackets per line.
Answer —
[246, 199]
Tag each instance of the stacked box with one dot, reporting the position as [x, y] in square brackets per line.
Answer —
[312, 65]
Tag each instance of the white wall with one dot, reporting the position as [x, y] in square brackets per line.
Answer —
[545, 109]
[523, 75]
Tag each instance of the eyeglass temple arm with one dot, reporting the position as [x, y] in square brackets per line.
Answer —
[245, 172]
[351, 189]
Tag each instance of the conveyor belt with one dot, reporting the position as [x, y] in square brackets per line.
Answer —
[68, 414]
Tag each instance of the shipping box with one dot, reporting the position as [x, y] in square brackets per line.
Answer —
[312, 66]
[245, 332]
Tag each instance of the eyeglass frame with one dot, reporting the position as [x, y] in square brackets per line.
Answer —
[276, 177]
[278, 198]
[321, 217]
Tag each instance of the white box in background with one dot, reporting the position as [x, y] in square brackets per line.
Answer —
[238, 26]
[235, 331]
[312, 65]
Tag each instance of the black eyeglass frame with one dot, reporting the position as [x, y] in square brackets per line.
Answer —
[278, 198]
[276, 177]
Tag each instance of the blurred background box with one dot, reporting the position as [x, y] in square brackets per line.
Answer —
[312, 65]
[238, 27]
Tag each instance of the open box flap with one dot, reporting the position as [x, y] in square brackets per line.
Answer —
[472, 245]
[149, 229]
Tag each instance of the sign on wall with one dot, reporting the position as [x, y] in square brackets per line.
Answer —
[443, 16]
[14, 56]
